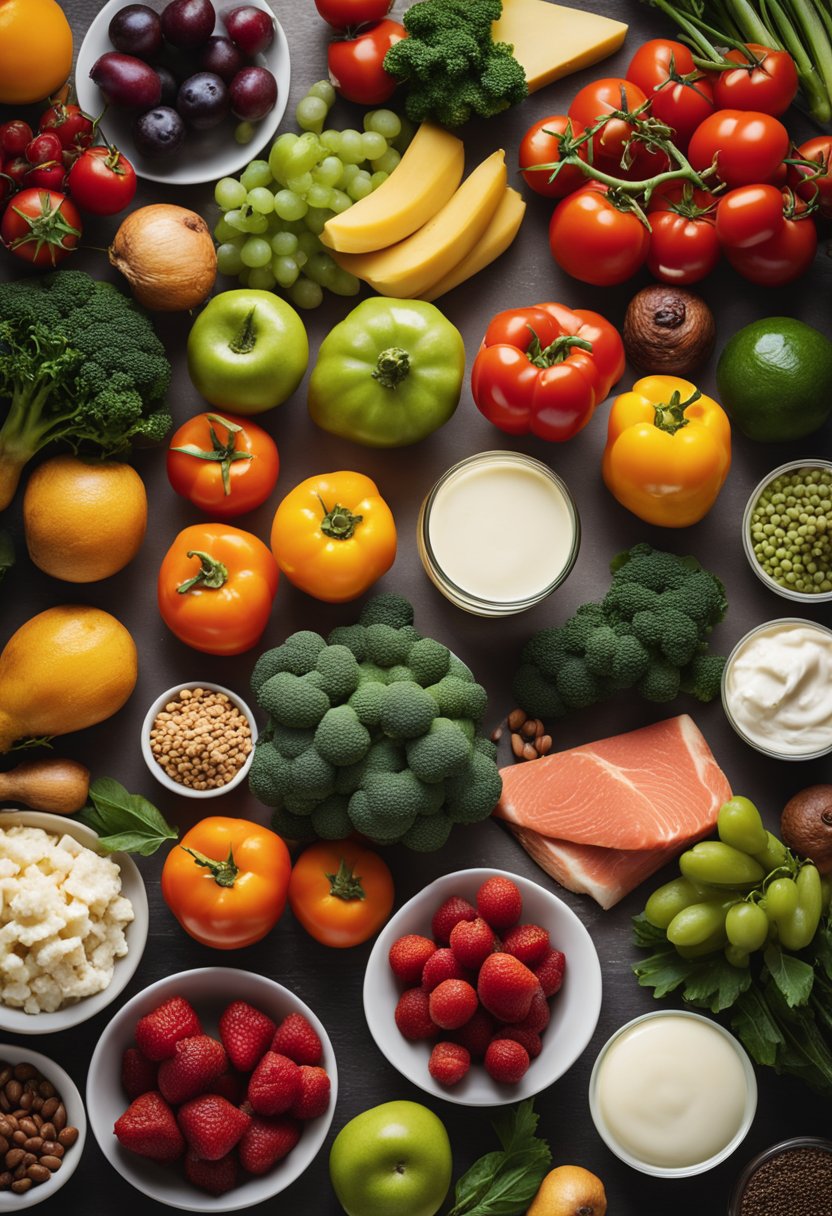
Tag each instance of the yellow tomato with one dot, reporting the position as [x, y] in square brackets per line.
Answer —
[35, 50]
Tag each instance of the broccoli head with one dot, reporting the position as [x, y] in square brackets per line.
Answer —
[351, 636]
[330, 819]
[407, 710]
[341, 738]
[293, 700]
[427, 833]
[439, 752]
[472, 793]
[338, 666]
[387, 609]
[428, 660]
[298, 655]
[702, 677]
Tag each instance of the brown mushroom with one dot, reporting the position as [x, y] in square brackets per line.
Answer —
[806, 825]
[668, 329]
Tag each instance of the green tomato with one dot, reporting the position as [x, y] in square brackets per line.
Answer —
[247, 351]
[773, 855]
[713, 862]
[389, 374]
[747, 926]
[696, 924]
[797, 930]
[669, 899]
[716, 941]
[739, 824]
[736, 956]
[781, 899]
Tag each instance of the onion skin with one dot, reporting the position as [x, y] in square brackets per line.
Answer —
[167, 255]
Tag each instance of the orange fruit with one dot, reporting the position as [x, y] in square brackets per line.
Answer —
[35, 50]
[83, 520]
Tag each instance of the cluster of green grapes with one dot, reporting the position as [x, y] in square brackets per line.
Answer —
[274, 213]
[740, 892]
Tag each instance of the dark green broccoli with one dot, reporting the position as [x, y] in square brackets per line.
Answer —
[407, 710]
[292, 827]
[397, 674]
[351, 636]
[387, 609]
[438, 753]
[330, 819]
[576, 631]
[299, 804]
[486, 747]
[652, 568]
[428, 660]
[79, 364]
[385, 808]
[289, 741]
[268, 775]
[341, 738]
[625, 600]
[629, 662]
[702, 677]
[293, 700]
[701, 596]
[428, 833]
[661, 682]
[340, 672]
[459, 698]
[384, 756]
[385, 645]
[537, 694]
[298, 655]
[472, 792]
[461, 670]
[545, 650]
[311, 776]
[577, 686]
[366, 701]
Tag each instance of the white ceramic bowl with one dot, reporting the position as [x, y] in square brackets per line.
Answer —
[76, 1117]
[176, 787]
[209, 990]
[575, 1008]
[205, 155]
[18, 1022]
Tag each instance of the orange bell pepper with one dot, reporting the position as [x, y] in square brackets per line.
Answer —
[334, 535]
[668, 451]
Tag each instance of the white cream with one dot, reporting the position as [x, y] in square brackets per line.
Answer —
[672, 1091]
[778, 688]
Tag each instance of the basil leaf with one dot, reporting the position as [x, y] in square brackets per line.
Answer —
[715, 984]
[792, 976]
[125, 822]
[647, 934]
[756, 1027]
[503, 1183]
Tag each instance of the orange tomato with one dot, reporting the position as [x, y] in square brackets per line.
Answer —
[340, 892]
[225, 465]
[35, 50]
[226, 882]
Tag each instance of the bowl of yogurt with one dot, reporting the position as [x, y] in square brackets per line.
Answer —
[672, 1093]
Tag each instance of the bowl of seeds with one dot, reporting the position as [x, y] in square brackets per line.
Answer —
[198, 739]
[792, 1178]
[787, 530]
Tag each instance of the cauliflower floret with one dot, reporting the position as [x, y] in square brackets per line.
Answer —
[57, 950]
[49, 993]
[95, 880]
[15, 994]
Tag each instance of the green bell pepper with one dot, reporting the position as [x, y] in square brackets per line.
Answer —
[389, 374]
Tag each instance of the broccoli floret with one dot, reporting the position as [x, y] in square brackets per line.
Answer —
[366, 701]
[341, 738]
[268, 777]
[485, 746]
[370, 673]
[459, 698]
[703, 676]
[386, 807]
[427, 834]
[601, 646]
[625, 600]
[299, 804]
[701, 596]
[292, 827]
[670, 631]
[461, 670]
[387, 609]
[311, 775]
[577, 687]
[386, 646]
[630, 661]
[351, 636]
[438, 753]
[651, 568]
[293, 700]
[297, 655]
[398, 673]
[80, 364]
[291, 742]
[330, 819]
[546, 650]
[537, 695]
[407, 710]
[339, 669]
[471, 793]
[576, 631]
[428, 660]
[660, 682]
[385, 756]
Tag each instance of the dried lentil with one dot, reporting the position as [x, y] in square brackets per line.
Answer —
[797, 1182]
[791, 530]
[201, 739]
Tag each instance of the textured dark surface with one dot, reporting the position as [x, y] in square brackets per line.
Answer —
[331, 981]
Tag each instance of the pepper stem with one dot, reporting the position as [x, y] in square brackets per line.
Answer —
[244, 343]
[346, 884]
[212, 574]
[557, 351]
[339, 523]
[392, 367]
[670, 415]
[223, 873]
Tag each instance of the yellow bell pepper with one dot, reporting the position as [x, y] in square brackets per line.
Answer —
[668, 451]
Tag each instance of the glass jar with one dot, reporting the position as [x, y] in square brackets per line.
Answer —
[803, 597]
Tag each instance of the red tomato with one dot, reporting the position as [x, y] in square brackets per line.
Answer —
[41, 227]
[681, 250]
[786, 256]
[341, 14]
[768, 86]
[16, 167]
[14, 137]
[74, 128]
[748, 216]
[601, 97]
[747, 146]
[802, 178]
[356, 65]
[50, 176]
[595, 242]
[680, 95]
[223, 464]
[102, 181]
[646, 162]
[43, 147]
[682, 196]
[540, 146]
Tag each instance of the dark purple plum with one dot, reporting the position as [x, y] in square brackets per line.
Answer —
[137, 30]
[158, 133]
[181, 63]
[170, 85]
[250, 28]
[203, 100]
[188, 23]
[127, 81]
[221, 56]
[253, 93]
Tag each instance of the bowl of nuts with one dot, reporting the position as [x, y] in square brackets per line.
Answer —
[198, 739]
[42, 1128]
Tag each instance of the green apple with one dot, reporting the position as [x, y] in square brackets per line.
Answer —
[392, 1160]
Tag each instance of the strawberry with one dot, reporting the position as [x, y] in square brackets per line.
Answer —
[408, 956]
[499, 902]
[550, 972]
[138, 1074]
[442, 965]
[477, 1033]
[148, 1127]
[471, 942]
[246, 1034]
[413, 1015]
[452, 1003]
[454, 909]
[529, 1039]
[215, 1177]
[313, 1099]
[274, 1084]
[537, 1019]
[158, 1032]
[529, 943]
[267, 1141]
[506, 987]
[506, 1061]
[448, 1063]
[193, 1069]
[296, 1038]
[211, 1125]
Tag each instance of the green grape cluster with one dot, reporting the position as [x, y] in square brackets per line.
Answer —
[274, 213]
[739, 893]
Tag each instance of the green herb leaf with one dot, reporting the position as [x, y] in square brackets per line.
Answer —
[503, 1183]
[125, 822]
[645, 933]
[754, 1024]
[792, 976]
[716, 984]
[664, 971]
[806, 1053]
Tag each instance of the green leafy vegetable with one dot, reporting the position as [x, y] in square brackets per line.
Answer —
[504, 1182]
[125, 823]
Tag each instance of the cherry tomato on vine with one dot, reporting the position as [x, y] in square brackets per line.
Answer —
[748, 146]
[646, 162]
[102, 181]
[599, 98]
[50, 176]
[356, 65]
[594, 241]
[814, 188]
[41, 227]
[43, 147]
[781, 259]
[768, 86]
[669, 196]
[748, 216]
[341, 14]
[540, 147]
[74, 128]
[223, 464]
[14, 137]
[682, 249]
[680, 95]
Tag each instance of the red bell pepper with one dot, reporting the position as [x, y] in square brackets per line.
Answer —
[543, 370]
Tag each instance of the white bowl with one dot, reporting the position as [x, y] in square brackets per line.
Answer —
[575, 1008]
[76, 1117]
[176, 787]
[209, 990]
[205, 155]
[132, 886]
[793, 466]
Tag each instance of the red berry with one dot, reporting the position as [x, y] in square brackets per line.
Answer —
[211, 1125]
[158, 1032]
[477, 1033]
[449, 914]
[472, 941]
[297, 1039]
[413, 1015]
[506, 1061]
[148, 1127]
[214, 1177]
[246, 1034]
[526, 1038]
[537, 1019]
[408, 956]
[443, 965]
[274, 1084]
[448, 1063]
[499, 902]
[138, 1074]
[550, 972]
[193, 1068]
[267, 1141]
[313, 1098]
[452, 1003]
[506, 987]
[529, 943]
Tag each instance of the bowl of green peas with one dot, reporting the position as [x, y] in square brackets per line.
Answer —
[787, 530]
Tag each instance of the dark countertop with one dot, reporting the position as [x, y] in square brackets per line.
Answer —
[330, 981]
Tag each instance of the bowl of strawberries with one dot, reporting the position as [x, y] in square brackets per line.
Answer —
[212, 1090]
[483, 989]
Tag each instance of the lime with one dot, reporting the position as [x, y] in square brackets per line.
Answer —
[775, 379]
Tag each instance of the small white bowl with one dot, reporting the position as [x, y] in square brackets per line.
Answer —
[802, 597]
[176, 787]
[575, 1008]
[132, 886]
[76, 1117]
[204, 156]
[209, 990]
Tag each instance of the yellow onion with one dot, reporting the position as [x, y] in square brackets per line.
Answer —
[167, 255]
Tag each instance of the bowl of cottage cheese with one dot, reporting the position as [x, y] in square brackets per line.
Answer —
[73, 923]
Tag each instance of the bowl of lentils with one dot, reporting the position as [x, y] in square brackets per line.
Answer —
[792, 1178]
[787, 530]
[198, 739]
